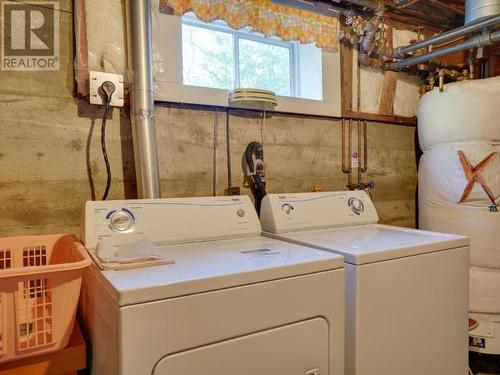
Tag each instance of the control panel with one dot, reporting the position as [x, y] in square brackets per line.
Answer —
[173, 220]
[300, 211]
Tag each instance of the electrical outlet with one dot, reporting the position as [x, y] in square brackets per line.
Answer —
[96, 81]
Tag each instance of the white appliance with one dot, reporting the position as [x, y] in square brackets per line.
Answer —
[485, 337]
[406, 290]
[234, 302]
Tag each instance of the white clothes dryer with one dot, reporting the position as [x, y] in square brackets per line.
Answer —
[234, 302]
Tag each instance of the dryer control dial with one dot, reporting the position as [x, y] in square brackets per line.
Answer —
[121, 220]
[356, 205]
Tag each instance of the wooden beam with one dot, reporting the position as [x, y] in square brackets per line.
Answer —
[377, 117]
[345, 76]
[82, 55]
[388, 94]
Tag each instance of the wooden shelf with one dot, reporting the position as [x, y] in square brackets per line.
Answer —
[63, 362]
[393, 119]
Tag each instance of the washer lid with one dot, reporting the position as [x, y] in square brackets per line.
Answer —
[212, 265]
[375, 242]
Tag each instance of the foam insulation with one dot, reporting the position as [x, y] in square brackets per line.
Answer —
[407, 95]
[106, 35]
[372, 80]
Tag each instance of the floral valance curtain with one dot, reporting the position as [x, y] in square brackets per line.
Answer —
[262, 16]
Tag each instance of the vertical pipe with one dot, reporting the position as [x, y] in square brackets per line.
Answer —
[349, 160]
[228, 152]
[140, 65]
[360, 181]
[364, 168]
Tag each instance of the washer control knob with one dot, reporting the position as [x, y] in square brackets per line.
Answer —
[356, 205]
[287, 208]
[121, 221]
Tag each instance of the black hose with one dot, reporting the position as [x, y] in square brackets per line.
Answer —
[256, 172]
[104, 152]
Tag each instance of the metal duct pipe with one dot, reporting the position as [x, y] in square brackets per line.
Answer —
[478, 9]
[485, 39]
[452, 34]
[140, 65]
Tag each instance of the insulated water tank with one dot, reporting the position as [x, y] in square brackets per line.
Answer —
[464, 120]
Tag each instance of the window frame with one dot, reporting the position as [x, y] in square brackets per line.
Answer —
[169, 87]
[237, 35]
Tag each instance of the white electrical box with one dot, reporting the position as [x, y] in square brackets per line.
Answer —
[96, 81]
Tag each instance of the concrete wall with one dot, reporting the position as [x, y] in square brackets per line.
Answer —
[50, 159]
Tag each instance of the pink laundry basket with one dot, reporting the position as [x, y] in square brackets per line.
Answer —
[40, 279]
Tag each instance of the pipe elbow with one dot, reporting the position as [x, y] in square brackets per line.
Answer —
[364, 59]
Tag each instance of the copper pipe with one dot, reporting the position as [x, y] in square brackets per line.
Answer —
[347, 168]
[364, 166]
[359, 151]
[349, 177]
[441, 80]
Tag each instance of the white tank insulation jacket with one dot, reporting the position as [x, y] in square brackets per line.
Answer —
[464, 118]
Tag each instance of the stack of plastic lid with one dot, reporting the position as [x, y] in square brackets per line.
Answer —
[248, 98]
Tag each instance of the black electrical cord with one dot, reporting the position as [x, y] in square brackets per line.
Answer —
[107, 90]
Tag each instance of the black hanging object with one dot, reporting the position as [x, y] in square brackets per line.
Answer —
[254, 160]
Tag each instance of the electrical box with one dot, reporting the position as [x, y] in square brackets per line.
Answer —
[96, 81]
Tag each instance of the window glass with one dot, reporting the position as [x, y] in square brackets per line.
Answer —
[216, 56]
[207, 58]
[265, 66]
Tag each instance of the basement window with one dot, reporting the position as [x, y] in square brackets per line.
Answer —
[216, 56]
[202, 63]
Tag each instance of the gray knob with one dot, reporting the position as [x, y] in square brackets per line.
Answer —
[121, 221]
[356, 205]
[287, 208]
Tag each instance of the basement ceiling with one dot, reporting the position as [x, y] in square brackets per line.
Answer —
[439, 14]
[444, 14]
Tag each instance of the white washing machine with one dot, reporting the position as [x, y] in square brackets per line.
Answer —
[234, 302]
[406, 290]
